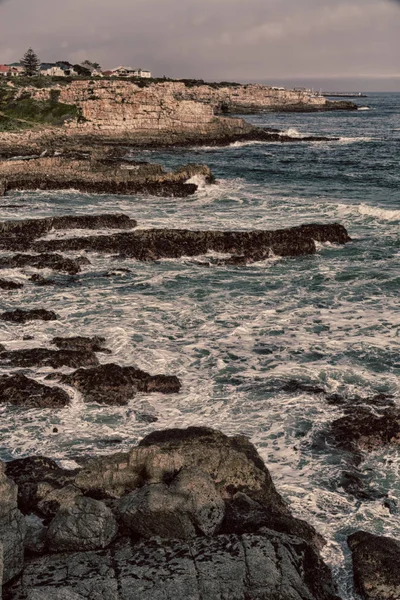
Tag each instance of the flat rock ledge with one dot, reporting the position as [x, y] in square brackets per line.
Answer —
[376, 565]
[153, 244]
[186, 514]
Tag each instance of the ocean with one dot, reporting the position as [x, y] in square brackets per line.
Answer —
[236, 335]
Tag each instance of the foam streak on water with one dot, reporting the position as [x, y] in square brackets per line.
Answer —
[235, 335]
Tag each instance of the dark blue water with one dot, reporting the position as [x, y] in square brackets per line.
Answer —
[235, 335]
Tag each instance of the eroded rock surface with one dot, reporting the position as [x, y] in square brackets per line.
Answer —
[41, 261]
[10, 285]
[44, 357]
[19, 390]
[376, 566]
[80, 343]
[12, 528]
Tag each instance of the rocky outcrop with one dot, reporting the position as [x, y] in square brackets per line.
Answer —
[42, 261]
[44, 357]
[80, 343]
[10, 285]
[171, 494]
[115, 385]
[376, 565]
[154, 244]
[19, 390]
[20, 315]
[12, 528]
[266, 566]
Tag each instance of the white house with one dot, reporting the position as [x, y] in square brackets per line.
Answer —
[130, 72]
[142, 74]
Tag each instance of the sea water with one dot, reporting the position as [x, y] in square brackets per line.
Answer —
[236, 335]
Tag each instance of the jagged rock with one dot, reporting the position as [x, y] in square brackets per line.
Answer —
[86, 524]
[266, 566]
[112, 384]
[376, 566]
[35, 539]
[44, 357]
[244, 515]
[232, 463]
[10, 285]
[43, 486]
[187, 505]
[358, 485]
[12, 528]
[41, 261]
[152, 244]
[19, 390]
[81, 343]
[20, 315]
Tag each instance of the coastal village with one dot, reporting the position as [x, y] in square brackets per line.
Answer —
[66, 69]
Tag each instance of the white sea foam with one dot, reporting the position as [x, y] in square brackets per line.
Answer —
[382, 214]
[364, 108]
[292, 132]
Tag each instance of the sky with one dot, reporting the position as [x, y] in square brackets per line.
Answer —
[355, 41]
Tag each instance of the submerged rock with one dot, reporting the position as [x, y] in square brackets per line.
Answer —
[112, 384]
[376, 566]
[42, 261]
[19, 390]
[43, 357]
[10, 285]
[80, 343]
[20, 315]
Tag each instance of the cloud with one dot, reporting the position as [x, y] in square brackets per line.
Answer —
[225, 39]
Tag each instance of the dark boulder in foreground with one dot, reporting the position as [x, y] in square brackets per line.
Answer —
[43, 357]
[80, 343]
[180, 483]
[20, 315]
[42, 261]
[376, 566]
[19, 390]
[113, 384]
[152, 244]
[10, 285]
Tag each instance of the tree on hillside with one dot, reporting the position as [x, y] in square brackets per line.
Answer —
[31, 63]
[88, 63]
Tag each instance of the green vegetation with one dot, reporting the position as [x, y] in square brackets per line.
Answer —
[25, 112]
[31, 63]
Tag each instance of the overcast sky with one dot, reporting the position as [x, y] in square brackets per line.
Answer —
[212, 39]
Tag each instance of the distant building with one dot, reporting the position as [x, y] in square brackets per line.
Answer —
[58, 69]
[130, 72]
[8, 71]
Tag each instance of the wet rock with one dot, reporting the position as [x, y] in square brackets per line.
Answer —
[112, 384]
[365, 429]
[391, 505]
[21, 315]
[86, 524]
[10, 285]
[379, 400]
[19, 390]
[376, 566]
[187, 505]
[80, 343]
[152, 244]
[43, 486]
[359, 485]
[12, 528]
[267, 566]
[56, 262]
[294, 386]
[145, 417]
[43, 357]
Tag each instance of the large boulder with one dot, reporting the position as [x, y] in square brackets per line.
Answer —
[376, 566]
[12, 528]
[80, 343]
[19, 390]
[267, 566]
[20, 315]
[189, 505]
[86, 524]
[233, 464]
